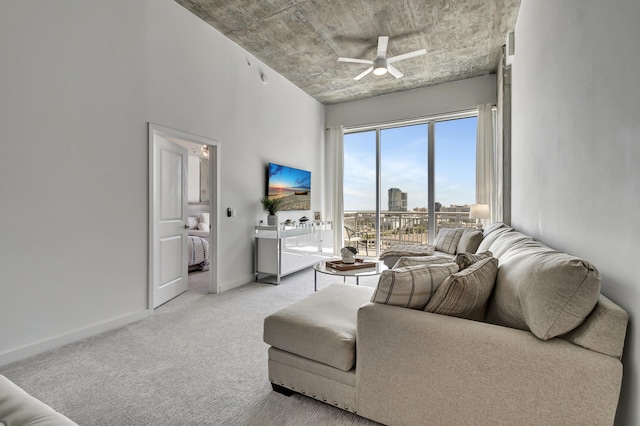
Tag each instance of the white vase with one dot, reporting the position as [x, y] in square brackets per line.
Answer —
[272, 219]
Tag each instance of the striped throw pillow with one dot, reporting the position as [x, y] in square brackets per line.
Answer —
[447, 239]
[466, 293]
[411, 286]
[420, 260]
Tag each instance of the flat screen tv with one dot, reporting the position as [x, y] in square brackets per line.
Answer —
[293, 185]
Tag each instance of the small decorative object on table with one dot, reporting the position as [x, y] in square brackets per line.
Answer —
[303, 219]
[317, 216]
[348, 254]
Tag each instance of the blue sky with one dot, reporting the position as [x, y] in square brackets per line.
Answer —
[404, 164]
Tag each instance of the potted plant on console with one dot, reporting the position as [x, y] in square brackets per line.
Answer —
[271, 206]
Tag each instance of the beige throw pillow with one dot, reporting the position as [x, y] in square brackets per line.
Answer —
[464, 260]
[466, 293]
[469, 241]
[447, 239]
[411, 286]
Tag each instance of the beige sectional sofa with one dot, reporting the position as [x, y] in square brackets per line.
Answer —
[547, 352]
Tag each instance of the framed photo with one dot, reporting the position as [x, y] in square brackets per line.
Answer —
[317, 216]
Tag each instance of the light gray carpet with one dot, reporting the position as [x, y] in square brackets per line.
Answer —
[200, 360]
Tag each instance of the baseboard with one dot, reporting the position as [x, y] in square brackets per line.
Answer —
[18, 354]
[236, 283]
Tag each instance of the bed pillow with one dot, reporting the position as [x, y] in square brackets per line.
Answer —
[411, 286]
[447, 239]
[203, 226]
[469, 241]
[464, 260]
[465, 294]
[204, 218]
[192, 222]
[420, 260]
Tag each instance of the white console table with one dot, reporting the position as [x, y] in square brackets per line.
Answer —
[281, 250]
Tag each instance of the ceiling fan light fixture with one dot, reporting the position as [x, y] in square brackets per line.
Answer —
[380, 66]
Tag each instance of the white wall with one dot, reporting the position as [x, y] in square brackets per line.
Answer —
[576, 146]
[79, 80]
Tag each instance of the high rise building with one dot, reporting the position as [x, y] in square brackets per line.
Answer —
[397, 200]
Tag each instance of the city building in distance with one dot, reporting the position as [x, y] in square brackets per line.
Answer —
[397, 200]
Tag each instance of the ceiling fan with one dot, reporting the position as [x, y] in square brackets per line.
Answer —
[382, 64]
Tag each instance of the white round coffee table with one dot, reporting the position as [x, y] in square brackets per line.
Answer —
[363, 272]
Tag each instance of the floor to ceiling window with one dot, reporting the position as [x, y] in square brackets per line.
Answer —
[404, 181]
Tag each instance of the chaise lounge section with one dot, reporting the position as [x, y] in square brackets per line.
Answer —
[548, 350]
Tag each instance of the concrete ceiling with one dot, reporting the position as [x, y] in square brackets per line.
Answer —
[302, 39]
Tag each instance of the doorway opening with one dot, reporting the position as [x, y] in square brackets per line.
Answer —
[183, 220]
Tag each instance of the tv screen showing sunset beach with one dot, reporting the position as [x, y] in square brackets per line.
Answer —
[290, 184]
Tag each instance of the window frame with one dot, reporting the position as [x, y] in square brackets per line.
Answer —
[431, 122]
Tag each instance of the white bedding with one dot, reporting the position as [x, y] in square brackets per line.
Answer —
[198, 252]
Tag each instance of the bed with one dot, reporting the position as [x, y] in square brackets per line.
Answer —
[198, 251]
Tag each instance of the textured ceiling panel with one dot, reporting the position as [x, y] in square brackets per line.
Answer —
[302, 39]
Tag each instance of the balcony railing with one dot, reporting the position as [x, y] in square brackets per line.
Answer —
[399, 227]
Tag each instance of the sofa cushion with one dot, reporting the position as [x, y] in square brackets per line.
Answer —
[493, 227]
[469, 241]
[447, 239]
[420, 260]
[542, 290]
[490, 238]
[411, 286]
[465, 293]
[506, 241]
[604, 329]
[321, 327]
[464, 260]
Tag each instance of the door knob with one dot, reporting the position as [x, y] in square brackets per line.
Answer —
[186, 227]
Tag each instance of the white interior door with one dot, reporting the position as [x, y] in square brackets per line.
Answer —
[170, 274]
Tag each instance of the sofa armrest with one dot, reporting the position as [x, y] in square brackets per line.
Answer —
[17, 407]
[413, 365]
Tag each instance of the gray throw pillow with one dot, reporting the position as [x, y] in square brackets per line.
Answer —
[465, 294]
[447, 239]
[470, 241]
[411, 286]
[464, 260]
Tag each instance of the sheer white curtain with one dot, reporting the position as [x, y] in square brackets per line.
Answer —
[334, 170]
[488, 163]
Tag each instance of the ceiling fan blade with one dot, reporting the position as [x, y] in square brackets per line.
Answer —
[406, 56]
[355, 61]
[394, 71]
[362, 74]
[383, 42]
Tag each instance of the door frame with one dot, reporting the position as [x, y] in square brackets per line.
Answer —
[156, 130]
